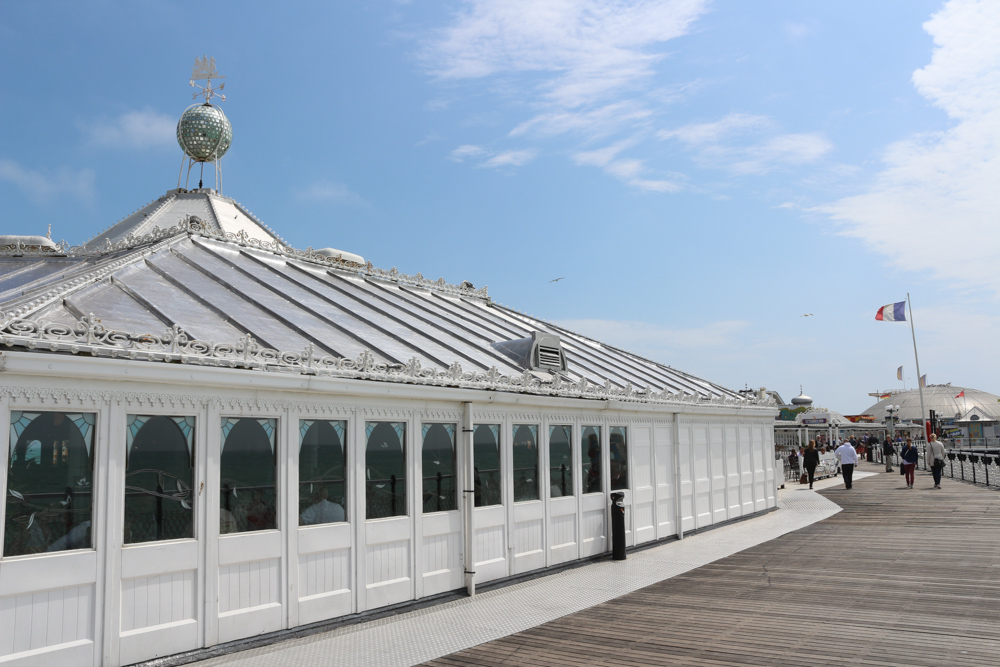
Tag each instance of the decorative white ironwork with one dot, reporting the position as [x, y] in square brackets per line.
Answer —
[89, 336]
[204, 70]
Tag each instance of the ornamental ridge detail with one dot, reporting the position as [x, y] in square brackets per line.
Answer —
[88, 336]
[196, 227]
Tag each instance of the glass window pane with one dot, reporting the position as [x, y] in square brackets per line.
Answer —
[525, 462]
[385, 469]
[439, 467]
[247, 474]
[159, 474]
[49, 482]
[560, 461]
[590, 469]
[486, 458]
[322, 466]
[619, 458]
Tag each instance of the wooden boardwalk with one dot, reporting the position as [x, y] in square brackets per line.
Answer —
[899, 577]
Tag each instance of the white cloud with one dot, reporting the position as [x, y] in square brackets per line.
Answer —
[723, 128]
[42, 187]
[329, 191]
[584, 66]
[590, 49]
[780, 151]
[934, 205]
[465, 152]
[511, 159]
[135, 130]
[628, 170]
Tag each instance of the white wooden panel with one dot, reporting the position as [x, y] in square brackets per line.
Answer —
[733, 472]
[388, 561]
[702, 481]
[528, 536]
[249, 622]
[769, 465]
[324, 572]
[145, 560]
[70, 654]
[261, 545]
[249, 584]
[687, 479]
[58, 570]
[759, 476]
[149, 643]
[593, 532]
[563, 519]
[717, 467]
[157, 600]
[663, 457]
[491, 543]
[441, 551]
[33, 621]
[327, 537]
[746, 471]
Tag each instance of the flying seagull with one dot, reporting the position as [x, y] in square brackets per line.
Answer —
[555, 280]
[808, 315]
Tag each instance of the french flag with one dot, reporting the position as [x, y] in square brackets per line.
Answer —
[893, 312]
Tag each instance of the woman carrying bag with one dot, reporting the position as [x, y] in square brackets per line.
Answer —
[909, 456]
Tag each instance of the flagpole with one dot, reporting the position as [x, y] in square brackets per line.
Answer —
[923, 413]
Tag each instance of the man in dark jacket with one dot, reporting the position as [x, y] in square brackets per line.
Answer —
[887, 451]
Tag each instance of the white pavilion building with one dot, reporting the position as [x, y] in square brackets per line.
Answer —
[213, 436]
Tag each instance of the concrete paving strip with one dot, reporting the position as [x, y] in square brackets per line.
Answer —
[415, 637]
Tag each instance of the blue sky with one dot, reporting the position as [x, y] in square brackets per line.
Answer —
[701, 173]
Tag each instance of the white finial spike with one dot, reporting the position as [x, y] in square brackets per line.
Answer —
[49, 234]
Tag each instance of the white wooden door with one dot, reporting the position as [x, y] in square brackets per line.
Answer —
[492, 503]
[527, 517]
[592, 484]
[561, 488]
[441, 545]
[666, 508]
[385, 568]
[641, 481]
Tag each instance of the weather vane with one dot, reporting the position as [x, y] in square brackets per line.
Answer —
[204, 70]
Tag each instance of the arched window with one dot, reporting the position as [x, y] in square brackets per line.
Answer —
[560, 461]
[49, 482]
[590, 456]
[385, 470]
[525, 462]
[619, 458]
[438, 460]
[159, 475]
[486, 458]
[322, 466]
[246, 475]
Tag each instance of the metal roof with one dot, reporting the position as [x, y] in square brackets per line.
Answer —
[210, 285]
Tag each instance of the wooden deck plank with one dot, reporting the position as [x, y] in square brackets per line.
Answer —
[899, 578]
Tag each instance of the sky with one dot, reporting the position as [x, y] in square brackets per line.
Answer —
[730, 188]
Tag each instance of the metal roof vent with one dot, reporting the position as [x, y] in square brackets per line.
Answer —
[539, 352]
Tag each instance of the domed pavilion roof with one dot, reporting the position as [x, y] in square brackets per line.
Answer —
[942, 399]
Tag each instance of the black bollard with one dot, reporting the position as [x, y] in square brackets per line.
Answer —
[618, 526]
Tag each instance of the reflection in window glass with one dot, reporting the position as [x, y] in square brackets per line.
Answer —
[486, 458]
[49, 482]
[560, 461]
[385, 469]
[590, 469]
[247, 473]
[322, 462]
[159, 474]
[439, 467]
[525, 462]
[619, 459]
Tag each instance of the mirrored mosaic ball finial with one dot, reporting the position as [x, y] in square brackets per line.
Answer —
[204, 133]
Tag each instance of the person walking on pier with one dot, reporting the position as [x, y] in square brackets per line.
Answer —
[935, 454]
[887, 451]
[909, 457]
[811, 459]
[848, 458]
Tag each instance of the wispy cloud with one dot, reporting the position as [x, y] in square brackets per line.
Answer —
[511, 159]
[590, 50]
[133, 130]
[330, 192]
[939, 190]
[784, 150]
[628, 170]
[584, 67]
[41, 187]
[492, 159]
[702, 133]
